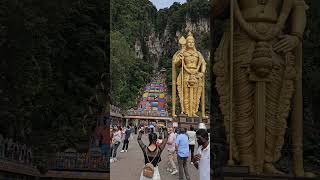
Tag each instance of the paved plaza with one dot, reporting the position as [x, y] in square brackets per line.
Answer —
[130, 164]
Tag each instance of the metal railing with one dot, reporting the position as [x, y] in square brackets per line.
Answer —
[79, 162]
[15, 152]
[147, 113]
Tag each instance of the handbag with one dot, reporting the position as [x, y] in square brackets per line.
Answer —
[148, 169]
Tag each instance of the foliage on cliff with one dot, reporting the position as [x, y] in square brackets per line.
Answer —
[311, 86]
[136, 20]
[128, 74]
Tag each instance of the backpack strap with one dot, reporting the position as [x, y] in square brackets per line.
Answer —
[153, 157]
[158, 155]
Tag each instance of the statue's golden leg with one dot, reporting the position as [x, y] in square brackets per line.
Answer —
[191, 102]
[194, 101]
[186, 100]
[243, 123]
[203, 104]
[275, 126]
[197, 96]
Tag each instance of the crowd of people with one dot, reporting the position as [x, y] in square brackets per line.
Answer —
[178, 142]
[118, 135]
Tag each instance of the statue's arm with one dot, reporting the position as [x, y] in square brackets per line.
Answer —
[298, 18]
[219, 7]
[164, 142]
[140, 142]
[176, 60]
[203, 63]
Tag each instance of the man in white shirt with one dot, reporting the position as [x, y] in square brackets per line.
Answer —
[202, 159]
[192, 140]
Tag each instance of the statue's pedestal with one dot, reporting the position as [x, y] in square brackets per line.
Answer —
[185, 122]
[242, 173]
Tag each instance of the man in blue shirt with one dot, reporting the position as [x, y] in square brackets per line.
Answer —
[182, 148]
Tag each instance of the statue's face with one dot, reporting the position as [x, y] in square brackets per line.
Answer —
[190, 43]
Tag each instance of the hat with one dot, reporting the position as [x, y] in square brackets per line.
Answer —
[202, 126]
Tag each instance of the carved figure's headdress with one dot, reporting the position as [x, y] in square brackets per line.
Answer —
[190, 36]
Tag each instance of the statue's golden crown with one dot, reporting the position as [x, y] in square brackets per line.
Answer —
[190, 36]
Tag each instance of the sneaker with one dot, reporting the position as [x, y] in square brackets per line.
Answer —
[126, 150]
[111, 161]
[174, 172]
[122, 151]
[168, 169]
[191, 162]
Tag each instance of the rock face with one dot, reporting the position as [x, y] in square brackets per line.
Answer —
[162, 47]
[155, 49]
[138, 49]
[202, 25]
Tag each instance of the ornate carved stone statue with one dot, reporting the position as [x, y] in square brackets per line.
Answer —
[258, 68]
[191, 79]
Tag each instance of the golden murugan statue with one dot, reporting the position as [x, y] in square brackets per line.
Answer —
[258, 70]
[190, 81]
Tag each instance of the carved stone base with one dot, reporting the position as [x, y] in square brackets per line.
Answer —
[185, 122]
[242, 173]
[76, 175]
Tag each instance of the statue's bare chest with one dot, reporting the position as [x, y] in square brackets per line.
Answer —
[191, 57]
[256, 10]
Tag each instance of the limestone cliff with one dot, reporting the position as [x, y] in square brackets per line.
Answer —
[162, 41]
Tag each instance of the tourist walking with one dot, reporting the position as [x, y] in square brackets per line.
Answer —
[182, 147]
[117, 141]
[202, 159]
[135, 129]
[152, 156]
[131, 132]
[171, 147]
[192, 141]
[127, 135]
[123, 131]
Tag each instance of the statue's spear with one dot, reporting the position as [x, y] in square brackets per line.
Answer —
[174, 88]
[182, 42]
[230, 161]
[297, 119]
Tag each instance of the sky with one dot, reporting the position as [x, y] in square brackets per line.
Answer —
[160, 4]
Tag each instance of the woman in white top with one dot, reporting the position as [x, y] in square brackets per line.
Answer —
[117, 141]
[152, 153]
[192, 141]
[123, 132]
